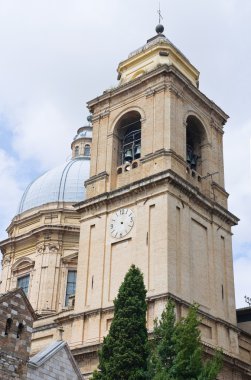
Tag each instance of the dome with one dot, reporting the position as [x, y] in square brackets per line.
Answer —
[83, 132]
[64, 183]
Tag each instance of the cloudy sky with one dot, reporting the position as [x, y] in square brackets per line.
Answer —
[58, 54]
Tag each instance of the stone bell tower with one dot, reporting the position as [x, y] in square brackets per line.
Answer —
[156, 198]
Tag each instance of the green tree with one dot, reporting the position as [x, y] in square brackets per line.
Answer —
[124, 352]
[176, 349]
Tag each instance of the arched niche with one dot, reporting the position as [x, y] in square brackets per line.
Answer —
[87, 150]
[196, 142]
[23, 265]
[128, 132]
[22, 274]
[76, 151]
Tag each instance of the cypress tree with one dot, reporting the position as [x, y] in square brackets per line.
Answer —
[162, 345]
[177, 352]
[125, 349]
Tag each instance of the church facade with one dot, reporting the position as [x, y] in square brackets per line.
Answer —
[155, 198]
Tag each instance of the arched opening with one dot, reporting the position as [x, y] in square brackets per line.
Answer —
[76, 151]
[20, 329]
[195, 138]
[87, 150]
[8, 325]
[129, 134]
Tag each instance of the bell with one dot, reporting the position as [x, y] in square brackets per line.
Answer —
[128, 155]
[194, 161]
[137, 152]
[189, 154]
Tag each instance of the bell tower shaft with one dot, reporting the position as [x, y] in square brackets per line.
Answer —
[157, 155]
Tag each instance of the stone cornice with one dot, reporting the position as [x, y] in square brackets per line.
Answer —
[32, 233]
[208, 348]
[166, 176]
[161, 153]
[144, 79]
[96, 178]
[219, 188]
[22, 219]
[164, 296]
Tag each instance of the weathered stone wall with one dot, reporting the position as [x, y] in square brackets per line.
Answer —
[12, 367]
[14, 341]
[58, 367]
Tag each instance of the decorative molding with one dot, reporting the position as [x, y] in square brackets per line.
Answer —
[37, 231]
[95, 178]
[168, 176]
[6, 260]
[166, 70]
[70, 259]
[101, 115]
[48, 248]
[22, 263]
[161, 153]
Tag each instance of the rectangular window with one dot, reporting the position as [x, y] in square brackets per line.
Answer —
[23, 283]
[71, 285]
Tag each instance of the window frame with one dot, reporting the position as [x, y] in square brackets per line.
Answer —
[22, 277]
[67, 295]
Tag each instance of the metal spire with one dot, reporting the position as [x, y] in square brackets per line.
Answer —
[159, 13]
[159, 28]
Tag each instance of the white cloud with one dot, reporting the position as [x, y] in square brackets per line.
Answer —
[10, 191]
[238, 178]
[242, 279]
[56, 55]
[43, 134]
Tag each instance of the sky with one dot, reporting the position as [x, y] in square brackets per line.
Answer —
[56, 55]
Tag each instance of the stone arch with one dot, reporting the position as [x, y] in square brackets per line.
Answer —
[196, 142]
[115, 121]
[128, 133]
[200, 119]
[24, 263]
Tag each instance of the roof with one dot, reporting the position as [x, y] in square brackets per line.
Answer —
[84, 132]
[155, 41]
[64, 183]
[41, 357]
[12, 293]
[243, 314]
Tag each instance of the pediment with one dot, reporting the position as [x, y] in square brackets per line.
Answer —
[71, 258]
[24, 263]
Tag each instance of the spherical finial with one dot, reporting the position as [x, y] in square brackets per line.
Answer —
[89, 118]
[159, 29]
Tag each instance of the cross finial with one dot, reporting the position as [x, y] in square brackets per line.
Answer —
[159, 13]
[159, 28]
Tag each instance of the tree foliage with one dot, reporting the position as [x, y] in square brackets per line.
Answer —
[125, 349]
[177, 352]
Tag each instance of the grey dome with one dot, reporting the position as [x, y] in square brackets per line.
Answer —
[64, 183]
[83, 132]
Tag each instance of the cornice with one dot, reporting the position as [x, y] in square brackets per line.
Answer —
[20, 219]
[35, 231]
[144, 79]
[208, 348]
[160, 153]
[95, 178]
[165, 176]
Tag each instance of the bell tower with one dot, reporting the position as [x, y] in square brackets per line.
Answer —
[156, 197]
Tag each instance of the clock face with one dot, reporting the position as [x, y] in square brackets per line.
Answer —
[121, 223]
